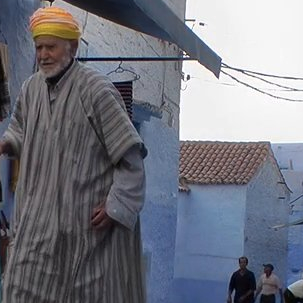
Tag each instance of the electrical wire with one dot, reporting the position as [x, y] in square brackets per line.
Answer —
[262, 77]
[291, 202]
[260, 90]
[273, 83]
[224, 65]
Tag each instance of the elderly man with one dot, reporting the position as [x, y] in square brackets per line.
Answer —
[81, 183]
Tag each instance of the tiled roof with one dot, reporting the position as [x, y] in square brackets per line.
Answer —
[221, 162]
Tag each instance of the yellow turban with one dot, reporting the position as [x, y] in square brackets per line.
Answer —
[54, 21]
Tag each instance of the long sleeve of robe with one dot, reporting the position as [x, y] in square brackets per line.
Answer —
[126, 196]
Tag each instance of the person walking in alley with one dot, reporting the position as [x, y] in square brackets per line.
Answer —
[269, 285]
[243, 282]
[81, 185]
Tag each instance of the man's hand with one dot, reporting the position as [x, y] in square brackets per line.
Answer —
[5, 148]
[100, 219]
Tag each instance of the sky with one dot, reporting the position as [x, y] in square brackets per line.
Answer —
[262, 36]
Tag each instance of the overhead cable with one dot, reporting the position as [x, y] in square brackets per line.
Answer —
[260, 90]
[287, 88]
[224, 65]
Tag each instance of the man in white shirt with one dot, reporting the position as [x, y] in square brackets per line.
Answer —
[268, 285]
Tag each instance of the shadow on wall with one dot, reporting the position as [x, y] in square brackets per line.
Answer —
[198, 291]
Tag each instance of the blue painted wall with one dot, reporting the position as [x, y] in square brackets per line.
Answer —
[290, 159]
[14, 17]
[159, 216]
[267, 206]
[219, 223]
[210, 237]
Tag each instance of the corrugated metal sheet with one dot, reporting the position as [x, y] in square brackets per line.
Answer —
[155, 18]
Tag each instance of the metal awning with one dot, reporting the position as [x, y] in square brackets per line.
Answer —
[155, 18]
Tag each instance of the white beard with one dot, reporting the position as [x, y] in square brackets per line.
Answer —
[60, 66]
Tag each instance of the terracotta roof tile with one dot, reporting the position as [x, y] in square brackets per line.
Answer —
[204, 162]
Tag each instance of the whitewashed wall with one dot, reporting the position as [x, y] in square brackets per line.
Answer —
[159, 82]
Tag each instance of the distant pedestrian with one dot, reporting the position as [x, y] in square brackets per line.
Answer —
[269, 285]
[243, 282]
[294, 292]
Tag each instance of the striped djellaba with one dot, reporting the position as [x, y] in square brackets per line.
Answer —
[68, 143]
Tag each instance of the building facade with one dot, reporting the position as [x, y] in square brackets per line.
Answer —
[231, 195]
[290, 160]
